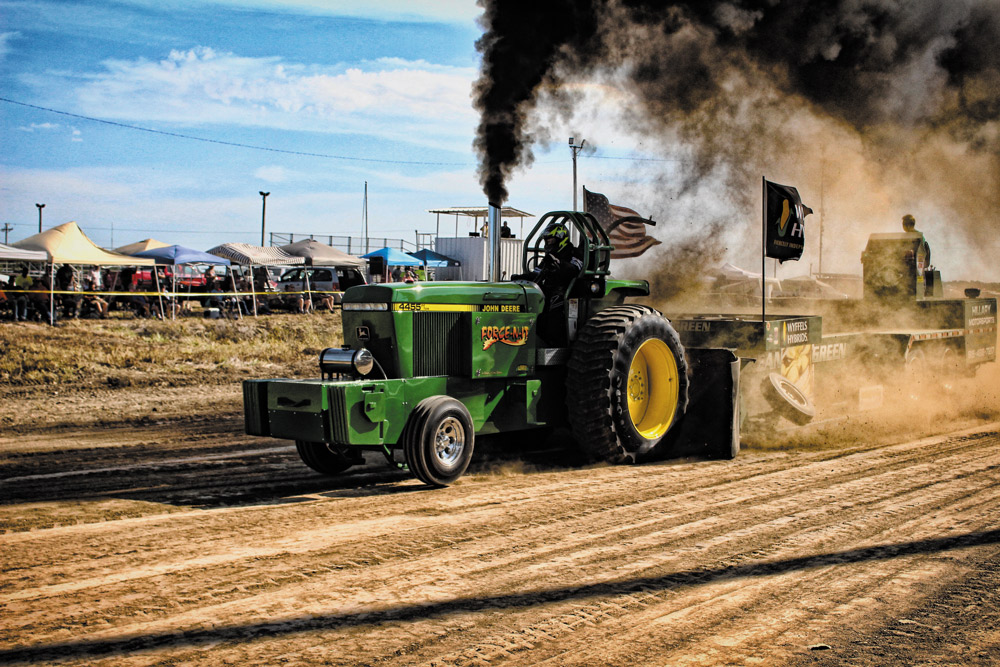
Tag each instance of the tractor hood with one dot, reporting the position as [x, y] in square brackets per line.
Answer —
[457, 329]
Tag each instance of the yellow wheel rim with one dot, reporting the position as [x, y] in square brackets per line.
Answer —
[653, 388]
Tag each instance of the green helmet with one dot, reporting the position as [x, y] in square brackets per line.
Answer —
[557, 235]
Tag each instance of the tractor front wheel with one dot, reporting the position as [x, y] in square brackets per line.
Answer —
[327, 459]
[626, 383]
[438, 440]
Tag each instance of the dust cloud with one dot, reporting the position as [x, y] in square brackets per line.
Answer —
[917, 402]
[871, 109]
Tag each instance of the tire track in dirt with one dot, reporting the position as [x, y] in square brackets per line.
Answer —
[599, 502]
[124, 468]
[572, 623]
[592, 527]
[146, 479]
[730, 600]
[957, 623]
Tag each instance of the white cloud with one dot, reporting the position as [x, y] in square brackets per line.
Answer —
[5, 39]
[39, 126]
[393, 99]
[439, 10]
[75, 135]
[272, 174]
[448, 11]
[76, 183]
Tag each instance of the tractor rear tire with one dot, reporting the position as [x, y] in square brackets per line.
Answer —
[327, 459]
[438, 440]
[626, 383]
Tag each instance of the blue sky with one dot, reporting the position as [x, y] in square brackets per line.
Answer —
[386, 86]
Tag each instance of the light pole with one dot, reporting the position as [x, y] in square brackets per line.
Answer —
[40, 207]
[576, 150]
[263, 213]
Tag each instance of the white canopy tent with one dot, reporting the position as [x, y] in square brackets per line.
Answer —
[254, 255]
[244, 253]
[12, 254]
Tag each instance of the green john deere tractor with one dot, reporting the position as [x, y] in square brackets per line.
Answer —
[427, 367]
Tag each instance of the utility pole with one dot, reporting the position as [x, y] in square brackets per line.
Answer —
[263, 213]
[576, 150]
[40, 207]
[6, 228]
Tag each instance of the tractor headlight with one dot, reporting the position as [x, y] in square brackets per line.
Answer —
[345, 360]
[366, 306]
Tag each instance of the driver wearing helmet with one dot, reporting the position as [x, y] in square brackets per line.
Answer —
[560, 265]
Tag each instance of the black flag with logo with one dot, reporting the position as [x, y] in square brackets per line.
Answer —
[784, 222]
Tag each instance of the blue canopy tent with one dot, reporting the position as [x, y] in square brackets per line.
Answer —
[392, 257]
[434, 259]
[174, 255]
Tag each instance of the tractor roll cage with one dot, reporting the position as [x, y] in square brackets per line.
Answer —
[594, 242]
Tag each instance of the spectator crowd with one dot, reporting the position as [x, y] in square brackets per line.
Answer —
[76, 292]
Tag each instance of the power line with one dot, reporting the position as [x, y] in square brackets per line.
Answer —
[228, 143]
[330, 156]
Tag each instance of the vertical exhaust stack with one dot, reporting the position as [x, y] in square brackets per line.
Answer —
[493, 233]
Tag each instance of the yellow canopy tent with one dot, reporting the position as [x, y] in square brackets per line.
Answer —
[141, 246]
[67, 244]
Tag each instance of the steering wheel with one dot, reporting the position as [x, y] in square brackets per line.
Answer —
[536, 260]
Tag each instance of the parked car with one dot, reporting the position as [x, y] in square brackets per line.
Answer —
[187, 277]
[321, 279]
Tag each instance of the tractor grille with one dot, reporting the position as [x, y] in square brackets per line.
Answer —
[441, 344]
[338, 427]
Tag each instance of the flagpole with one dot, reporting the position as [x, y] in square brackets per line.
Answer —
[763, 248]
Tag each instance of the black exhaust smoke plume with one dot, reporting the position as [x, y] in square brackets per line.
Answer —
[726, 79]
[522, 45]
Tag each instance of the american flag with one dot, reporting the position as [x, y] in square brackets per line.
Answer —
[628, 238]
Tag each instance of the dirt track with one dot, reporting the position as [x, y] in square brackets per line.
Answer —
[187, 542]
